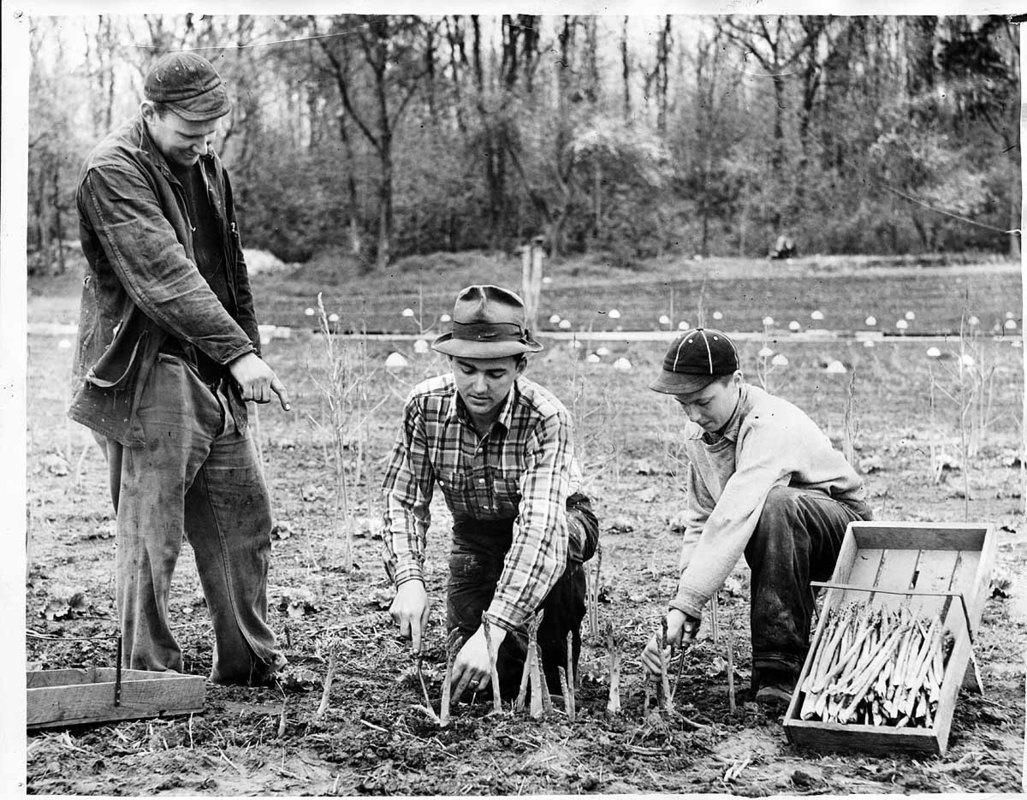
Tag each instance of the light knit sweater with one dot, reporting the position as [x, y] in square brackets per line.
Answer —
[767, 442]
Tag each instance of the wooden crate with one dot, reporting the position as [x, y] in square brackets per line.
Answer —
[61, 697]
[918, 558]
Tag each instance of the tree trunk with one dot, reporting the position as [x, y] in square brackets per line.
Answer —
[429, 59]
[353, 204]
[625, 68]
[1015, 224]
[662, 80]
[58, 223]
[385, 220]
[457, 58]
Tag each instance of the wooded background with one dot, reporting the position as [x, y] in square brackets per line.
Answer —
[378, 137]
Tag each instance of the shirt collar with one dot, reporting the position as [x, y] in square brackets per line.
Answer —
[734, 423]
[458, 411]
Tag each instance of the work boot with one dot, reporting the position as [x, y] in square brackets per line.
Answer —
[775, 689]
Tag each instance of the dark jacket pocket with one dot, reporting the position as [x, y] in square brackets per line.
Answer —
[119, 364]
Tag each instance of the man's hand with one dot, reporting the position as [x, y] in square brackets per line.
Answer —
[681, 629]
[410, 610]
[256, 380]
[472, 667]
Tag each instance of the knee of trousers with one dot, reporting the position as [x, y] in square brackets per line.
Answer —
[778, 519]
[781, 506]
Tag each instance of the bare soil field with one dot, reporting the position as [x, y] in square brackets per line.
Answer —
[899, 409]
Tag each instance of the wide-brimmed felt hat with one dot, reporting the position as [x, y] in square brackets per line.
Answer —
[189, 85]
[694, 360]
[488, 322]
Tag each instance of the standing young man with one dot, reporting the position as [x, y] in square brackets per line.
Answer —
[763, 482]
[499, 447]
[168, 354]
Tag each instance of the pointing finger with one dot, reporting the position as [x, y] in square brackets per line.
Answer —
[283, 396]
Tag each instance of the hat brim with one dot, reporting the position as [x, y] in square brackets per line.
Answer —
[679, 383]
[469, 348]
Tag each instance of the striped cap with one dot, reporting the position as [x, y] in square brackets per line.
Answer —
[694, 360]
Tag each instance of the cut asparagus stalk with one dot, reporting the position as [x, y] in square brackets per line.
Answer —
[497, 703]
[613, 703]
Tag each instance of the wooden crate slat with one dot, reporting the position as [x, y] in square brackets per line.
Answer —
[41, 678]
[935, 575]
[899, 567]
[978, 591]
[919, 535]
[74, 697]
[864, 571]
[873, 739]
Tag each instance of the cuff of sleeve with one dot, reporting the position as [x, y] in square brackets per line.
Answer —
[408, 572]
[249, 348]
[503, 616]
[688, 606]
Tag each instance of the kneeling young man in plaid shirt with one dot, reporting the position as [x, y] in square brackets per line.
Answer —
[499, 447]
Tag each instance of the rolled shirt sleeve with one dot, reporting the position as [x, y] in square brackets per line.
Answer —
[538, 554]
[407, 487]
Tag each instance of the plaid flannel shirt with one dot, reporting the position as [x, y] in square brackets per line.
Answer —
[522, 468]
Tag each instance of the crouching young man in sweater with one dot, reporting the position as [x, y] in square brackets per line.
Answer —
[763, 482]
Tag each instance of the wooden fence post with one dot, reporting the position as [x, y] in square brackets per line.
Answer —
[531, 280]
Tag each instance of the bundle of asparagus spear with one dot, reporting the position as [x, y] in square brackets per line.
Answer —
[876, 667]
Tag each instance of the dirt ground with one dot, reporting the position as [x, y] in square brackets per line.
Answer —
[373, 739]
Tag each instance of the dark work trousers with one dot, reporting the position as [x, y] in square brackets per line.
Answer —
[475, 565]
[197, 479]
[796, 541]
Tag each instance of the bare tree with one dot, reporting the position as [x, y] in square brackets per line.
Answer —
[393, 77]
[657, 81]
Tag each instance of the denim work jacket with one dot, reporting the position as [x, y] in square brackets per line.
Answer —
[142, 284]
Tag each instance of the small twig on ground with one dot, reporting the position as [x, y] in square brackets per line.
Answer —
[373, 727]
[231, 763]
[736, 769]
